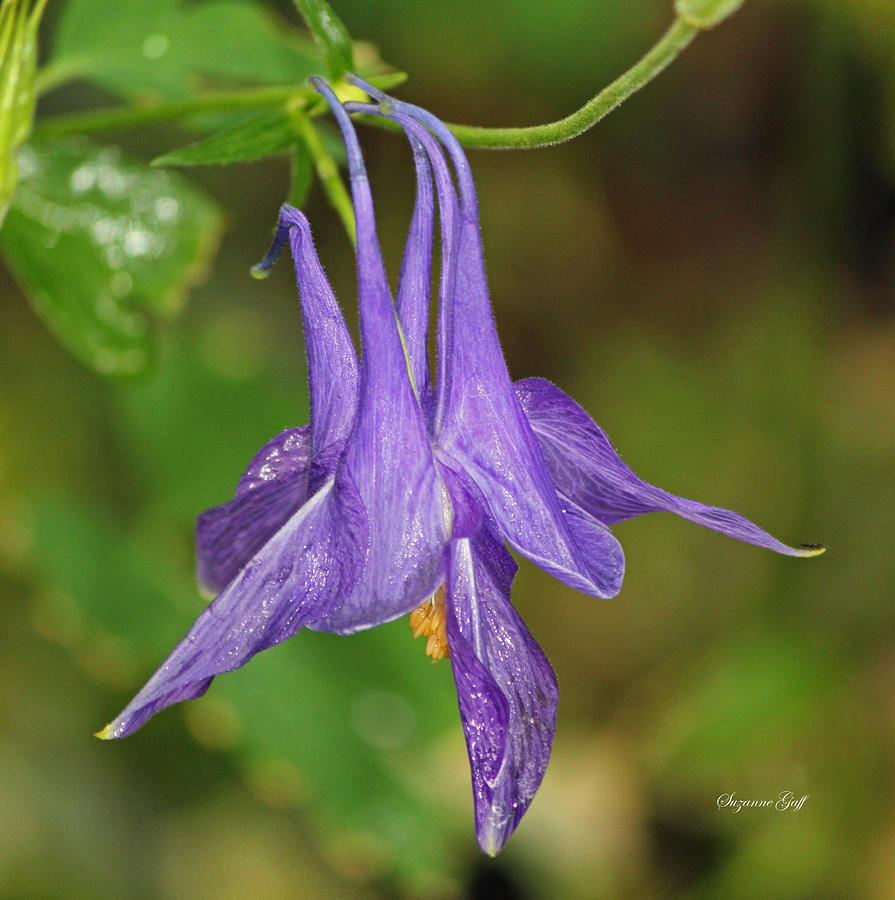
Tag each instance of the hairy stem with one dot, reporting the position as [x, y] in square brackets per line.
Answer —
[669, 46]
[665, 51]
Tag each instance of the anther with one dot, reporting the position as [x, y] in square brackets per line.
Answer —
[429, 620]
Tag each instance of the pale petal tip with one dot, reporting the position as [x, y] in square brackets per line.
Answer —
[105, 734]
[809, 550]
[491, 840]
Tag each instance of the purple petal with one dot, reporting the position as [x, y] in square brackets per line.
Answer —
[272, 488]
[505, 687]
[449, 217]
[412, 301]
[332, 361]
[478, 420]
[301, 574]
[333, 370]
[586, 468]
[483, 427]
[388, 455]
[447, 202]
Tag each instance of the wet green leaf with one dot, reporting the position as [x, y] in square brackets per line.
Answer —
[263, 135]
[162, 46]
[97, 242]
[330, 33]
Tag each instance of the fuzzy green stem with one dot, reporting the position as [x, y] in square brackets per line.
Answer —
[669, 46]
[665, 51]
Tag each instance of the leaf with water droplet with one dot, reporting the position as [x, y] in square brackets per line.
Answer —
[98, 242]
[161, 46]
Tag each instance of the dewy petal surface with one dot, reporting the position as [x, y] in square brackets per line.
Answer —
[297, 461]
[299, 575]
[478, 420]
[388, 455]
[333, 370]
[586, 469]
[272, 488]
[505, 687]
[414, 284]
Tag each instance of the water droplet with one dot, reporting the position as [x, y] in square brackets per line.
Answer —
[121, 284]
[136, 242]
[156, 46]
[82, 179]
[104, 231]
[27, 161]
[114, 256]
[167, 210]
[111, 182]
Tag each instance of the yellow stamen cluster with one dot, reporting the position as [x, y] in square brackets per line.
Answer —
[429, 619]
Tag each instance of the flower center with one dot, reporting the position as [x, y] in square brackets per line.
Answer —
[429, 619]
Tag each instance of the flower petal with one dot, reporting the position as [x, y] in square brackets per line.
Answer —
[586, 468]
[388, 454]
[505, 687]
[272, 488]
[300, 574]
[412, 301]
[333, 370]
[478, 420]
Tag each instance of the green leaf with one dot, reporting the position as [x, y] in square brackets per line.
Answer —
[97, 242]
[260, 136]
[162, 47]
[331, 35]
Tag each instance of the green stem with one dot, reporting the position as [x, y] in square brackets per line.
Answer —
[327, 172]
[662, 54]
[57, 73]
[669, 46]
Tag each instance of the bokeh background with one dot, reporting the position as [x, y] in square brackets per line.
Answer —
[710, 272]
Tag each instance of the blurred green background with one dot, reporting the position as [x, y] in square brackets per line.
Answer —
[711, 273]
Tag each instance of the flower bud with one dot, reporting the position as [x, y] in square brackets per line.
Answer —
[706, 14]
[18, 59]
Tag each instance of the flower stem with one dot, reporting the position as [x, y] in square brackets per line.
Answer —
[327, 172]
[669, 46]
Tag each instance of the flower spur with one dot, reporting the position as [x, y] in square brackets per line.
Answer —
[401, 494]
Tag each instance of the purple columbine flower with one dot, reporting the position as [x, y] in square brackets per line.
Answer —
[401, 495]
